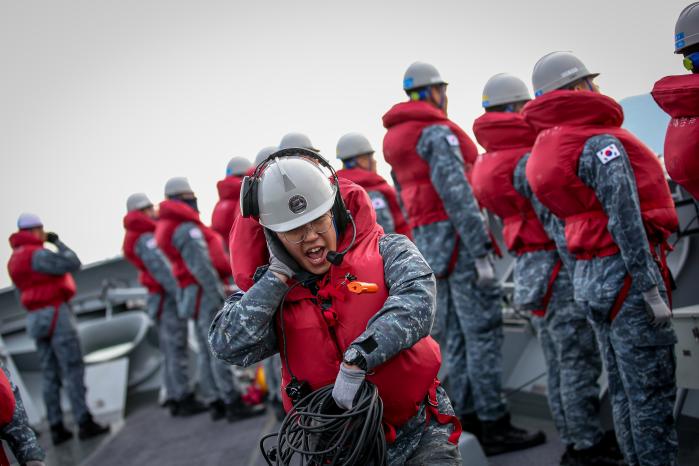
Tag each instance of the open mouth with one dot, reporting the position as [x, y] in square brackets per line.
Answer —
[316, 256]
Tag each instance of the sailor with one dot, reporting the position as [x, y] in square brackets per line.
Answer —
[611, 193]
[14, 425]
[379, 332]
[226, 208]
[679, 97]
[43, 278]
[542, 281]
[201, 268]
[430, 156]
[155, 273]
[359, 166]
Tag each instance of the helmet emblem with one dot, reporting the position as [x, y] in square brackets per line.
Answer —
[297, 204]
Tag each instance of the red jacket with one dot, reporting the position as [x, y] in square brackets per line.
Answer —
[679, 97]
[7, 408]
[172, 215]
[137, 223]
[507, 137]
[248, 245]
[566, 120]
[405, 122]
[373, 182]
[316, 339]
[227, 209]
[37, 290]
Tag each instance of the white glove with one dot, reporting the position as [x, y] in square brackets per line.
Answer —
[486, 272]
[346, 386]
[658, 311]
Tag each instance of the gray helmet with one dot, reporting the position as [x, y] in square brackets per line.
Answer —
[137, 201]
[556, 70]
[504, 88]
[27, 221]
[293, 191]
[421, 74]
[352, 145]
[296, 140]
[687, 28]
[237, 166]
[177, 185]
[264, 153]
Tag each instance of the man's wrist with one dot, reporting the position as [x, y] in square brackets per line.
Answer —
[282, 278]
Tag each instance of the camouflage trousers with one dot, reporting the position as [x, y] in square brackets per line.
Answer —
[172, 333]
[468, 327]
[418, 444]
[573, 367]
[61, 361]
[216, 381]
[640, 361]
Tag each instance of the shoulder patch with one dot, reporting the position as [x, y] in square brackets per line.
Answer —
[609, 153]
[378, 203]
[151, 243]
[452, 140]
[195, 233]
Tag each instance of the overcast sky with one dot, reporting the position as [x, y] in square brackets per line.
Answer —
[101, 99]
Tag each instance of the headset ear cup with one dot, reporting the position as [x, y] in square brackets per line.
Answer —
[248, 199]
[340, 213]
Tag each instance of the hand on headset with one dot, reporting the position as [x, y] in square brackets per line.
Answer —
[280, 261]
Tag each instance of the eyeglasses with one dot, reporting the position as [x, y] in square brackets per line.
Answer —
[320, 225]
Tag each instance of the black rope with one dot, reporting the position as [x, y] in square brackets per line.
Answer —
[317, 432]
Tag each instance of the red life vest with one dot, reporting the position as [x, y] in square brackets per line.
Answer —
[405, 122]
[137, 223]
[172, 215]
[248, 233]
[373, 182]
[228, 206]
[678, 96]
[316, 339]
[37, 290]
[507, 137]
[7, 409]
[566, 120]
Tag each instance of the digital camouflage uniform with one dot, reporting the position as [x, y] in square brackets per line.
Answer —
[18, 435]
[60, 355]
[244, 333]
[383, 212]
[639, 357]
[215, 378]
[162, 308]
[468, 323]
[566, 337]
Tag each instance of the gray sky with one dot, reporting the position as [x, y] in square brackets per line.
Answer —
[100, 99]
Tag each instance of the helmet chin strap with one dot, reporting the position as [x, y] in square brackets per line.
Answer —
[334, 257]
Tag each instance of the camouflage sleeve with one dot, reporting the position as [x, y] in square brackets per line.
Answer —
[408, 313]
[56, 263]
[243, 333]
[156, 263]
[189, 240]
[18, 435]
[605, 167]
[396, 186]
[439, 147]
[383, 212]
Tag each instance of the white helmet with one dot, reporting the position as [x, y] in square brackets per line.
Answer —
[177, 185]
[557, 70]
[264, 153]
[352, 145]
[27, 221]
[291, 140]
[237, 166]
[293, 191]
[420, 74]
[503, 88]
[137, 201]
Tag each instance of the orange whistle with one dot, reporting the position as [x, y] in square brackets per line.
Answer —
[362, 287]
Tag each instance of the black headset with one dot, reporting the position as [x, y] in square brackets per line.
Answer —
[249, 201]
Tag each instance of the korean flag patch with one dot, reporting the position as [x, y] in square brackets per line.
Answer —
[608, 154]
[378, 203]
[453, 140]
